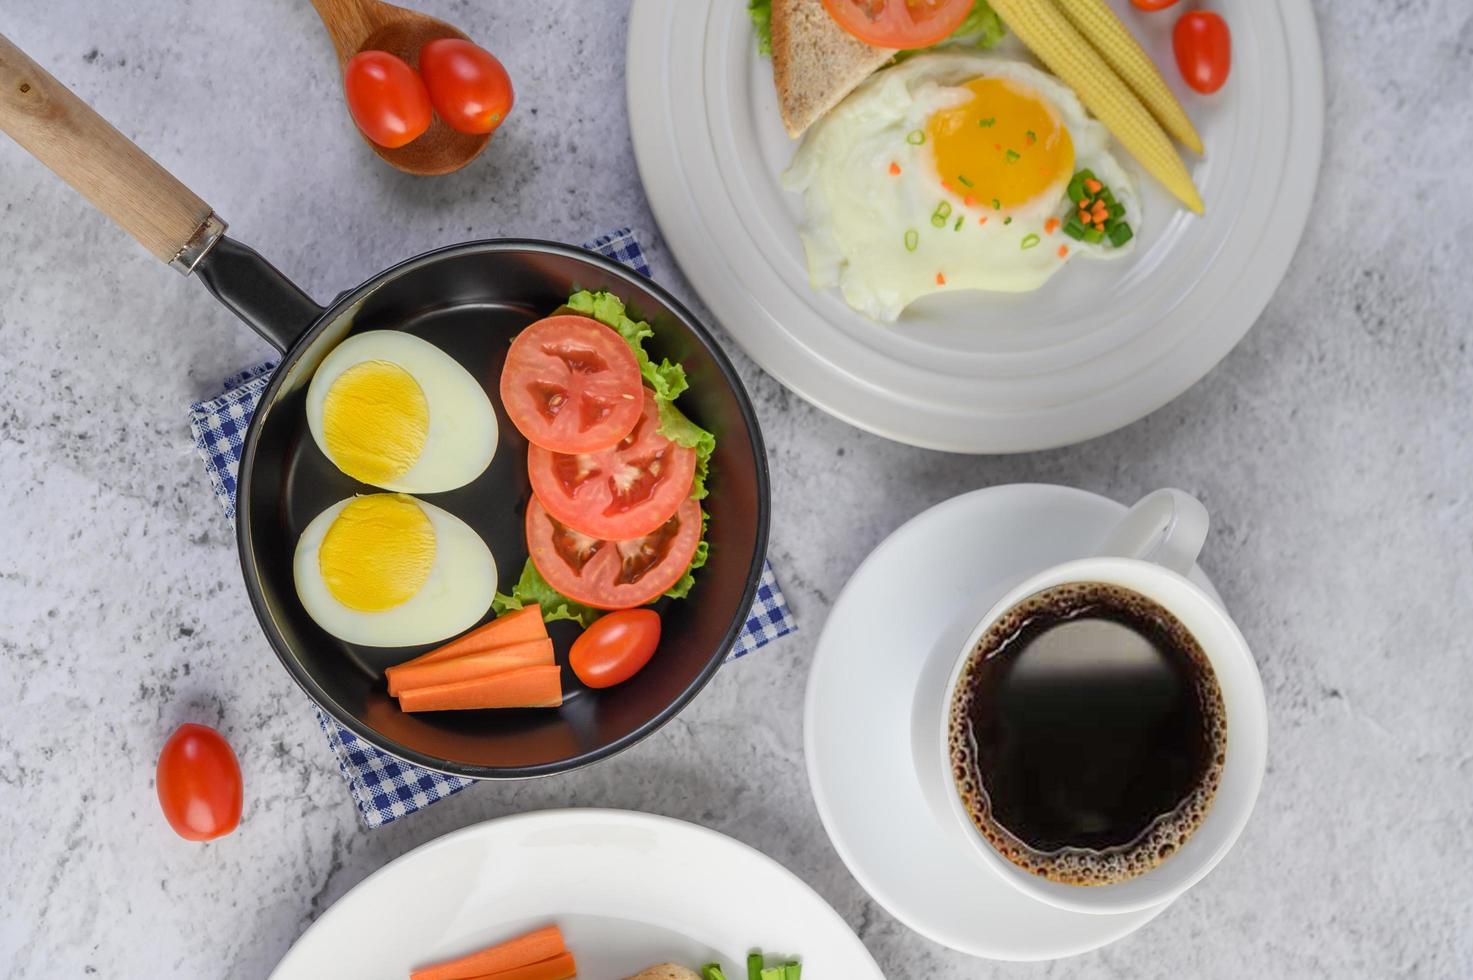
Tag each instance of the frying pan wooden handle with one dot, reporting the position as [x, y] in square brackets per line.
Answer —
[102, 164]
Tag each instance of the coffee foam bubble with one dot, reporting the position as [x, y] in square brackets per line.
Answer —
[1083, 866]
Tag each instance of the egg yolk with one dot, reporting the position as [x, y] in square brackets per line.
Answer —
[378, 552]
[375, 420]
[1002, 147]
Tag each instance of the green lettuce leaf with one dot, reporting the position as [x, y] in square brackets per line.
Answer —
[532, 589]
[761, 13]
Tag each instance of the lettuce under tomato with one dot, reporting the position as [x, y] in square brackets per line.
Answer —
[667, 380]
[761, 13]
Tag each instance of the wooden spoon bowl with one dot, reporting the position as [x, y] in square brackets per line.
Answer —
[370, 25]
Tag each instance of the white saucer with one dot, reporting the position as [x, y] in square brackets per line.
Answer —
[881, 636]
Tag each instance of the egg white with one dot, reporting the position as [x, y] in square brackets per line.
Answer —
[457, 593]
[462, 434]
[856, 214]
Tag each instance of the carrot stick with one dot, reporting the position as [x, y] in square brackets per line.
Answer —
[559, 967]
[534, 947]
[523, 687]
[533, 653]
[516, 627]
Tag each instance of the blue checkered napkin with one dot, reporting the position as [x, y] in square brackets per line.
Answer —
[386, 788]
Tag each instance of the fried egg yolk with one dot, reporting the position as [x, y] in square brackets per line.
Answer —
[378, 552]
[375, 420]
[1003, 147]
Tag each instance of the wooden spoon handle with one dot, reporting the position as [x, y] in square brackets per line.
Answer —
[102, 164]
[352, 22]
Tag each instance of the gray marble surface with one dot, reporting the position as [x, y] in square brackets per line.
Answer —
[1334, 448]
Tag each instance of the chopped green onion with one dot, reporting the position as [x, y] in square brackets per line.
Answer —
[1076, 189]
[1008, 220]
[712, 971]
[1120, 234]
[1012, 156]
[1085, 174]
[1032, 136]
[987, 123]
[1074, 228]
[792, 970]
[965, 181]
[958, 226]
[1031, 240]
[915, 137]
[912, 239]
[754, 966]
[773, 973]
[1093, 236]
[996, 204]
[942, 212]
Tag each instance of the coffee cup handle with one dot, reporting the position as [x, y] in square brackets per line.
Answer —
[1167, 527]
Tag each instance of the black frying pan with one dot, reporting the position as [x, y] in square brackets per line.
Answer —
[470, 300]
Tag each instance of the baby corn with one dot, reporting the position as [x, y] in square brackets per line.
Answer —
[1098, 23]
[1047, 32]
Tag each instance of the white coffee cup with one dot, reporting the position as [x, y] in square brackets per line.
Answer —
[1150, 552]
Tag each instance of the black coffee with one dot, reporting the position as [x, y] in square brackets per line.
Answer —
[1087, 734]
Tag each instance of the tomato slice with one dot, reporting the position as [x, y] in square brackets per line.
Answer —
[572, 385]
[623, 492]
[613, 574]
[899, 23]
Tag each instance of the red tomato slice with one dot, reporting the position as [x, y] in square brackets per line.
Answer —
[1152, 4]
[469, 87]
[613, 574]
[1204, 50]
[615, 647]
[198, 782]
[899, 23]
[387, 99]
[623, 492]
[572, 385]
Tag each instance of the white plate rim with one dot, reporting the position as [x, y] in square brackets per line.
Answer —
[868, 402]
[571, 817]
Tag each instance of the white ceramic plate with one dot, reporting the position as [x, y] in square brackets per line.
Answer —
[628, 889]
[1099, 346]
[881, 645]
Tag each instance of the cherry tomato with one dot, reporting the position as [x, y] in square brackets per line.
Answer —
[1204, 50]
[622, 492]
[387, 99]
[613, 574]
[1152, 4]
[899, 23]
[469, 88]
[616, 647]
[199, 786]
[572, 385]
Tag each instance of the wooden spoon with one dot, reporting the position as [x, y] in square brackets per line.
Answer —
[370, 25]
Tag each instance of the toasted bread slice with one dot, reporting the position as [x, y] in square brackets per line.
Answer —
[815, 62]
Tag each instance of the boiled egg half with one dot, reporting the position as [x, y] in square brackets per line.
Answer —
[387, 570]
[395, 411]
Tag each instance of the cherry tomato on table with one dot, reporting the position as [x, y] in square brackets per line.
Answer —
[625, 491]
[899, 23]
[199, 785]
[1152, 4]
[615, 647]
[1204, 50]
[469, 88]
[571, 385]
[387, 99]
[613, 574]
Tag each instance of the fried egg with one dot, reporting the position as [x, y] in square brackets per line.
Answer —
[951, 171]
[387, 570]
[397, 412]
